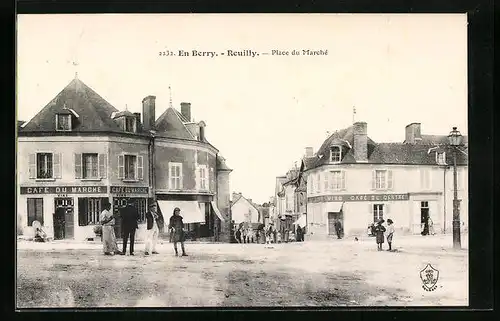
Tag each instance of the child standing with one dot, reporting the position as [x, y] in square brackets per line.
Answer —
[379, 234]
[390, 233]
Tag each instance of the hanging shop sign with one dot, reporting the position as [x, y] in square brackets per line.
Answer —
[64, 190]
[358, 198]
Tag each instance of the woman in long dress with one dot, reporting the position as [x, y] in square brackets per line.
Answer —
[108, 231]
[379, 234]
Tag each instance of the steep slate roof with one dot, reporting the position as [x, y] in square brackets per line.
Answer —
[94, 111]
[421, 153]
[221, 164]
[170, 125]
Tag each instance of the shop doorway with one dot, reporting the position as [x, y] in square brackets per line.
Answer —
[64, 226]
[333, 217]
[140, 203]
[424, 217]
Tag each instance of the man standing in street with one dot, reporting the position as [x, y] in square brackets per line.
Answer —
[154, 221]
[338, 228]
[176, 227]
[130, 216]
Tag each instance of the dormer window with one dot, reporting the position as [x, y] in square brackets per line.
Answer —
[335, 154]
[130, 124]
[63, 122]
[441, 158]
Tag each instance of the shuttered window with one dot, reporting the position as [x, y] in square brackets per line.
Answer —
[45, 165]
[382, 180]
[175, 175]
[35, 210]
[130, 167]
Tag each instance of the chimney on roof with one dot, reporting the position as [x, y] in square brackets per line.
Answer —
[412, 133]
[309, 152]
[186, 111]
[138, 117]
[148, 112]
[360, 142]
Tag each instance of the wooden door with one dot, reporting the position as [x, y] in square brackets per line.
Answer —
[64, 218]
[331, 223]
[69, 225]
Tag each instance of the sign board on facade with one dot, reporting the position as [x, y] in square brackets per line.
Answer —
[358, 198]
[129, 190]
[64, 190]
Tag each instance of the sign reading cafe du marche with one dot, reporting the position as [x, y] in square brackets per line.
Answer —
[359, 198]
[64, 190]
[83, 190]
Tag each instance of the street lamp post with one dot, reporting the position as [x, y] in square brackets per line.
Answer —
[455, 139]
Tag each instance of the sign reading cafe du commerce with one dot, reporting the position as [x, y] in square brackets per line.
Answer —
[359, 198]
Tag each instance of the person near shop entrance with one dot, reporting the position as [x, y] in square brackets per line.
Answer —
[390, 233]
[379, 234]
[154, 221]
[130, 216]
[299, 233]
[338, 228]
[176, 227]
[107, 221]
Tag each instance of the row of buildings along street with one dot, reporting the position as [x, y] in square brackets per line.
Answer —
[79, 151]
[355, 180]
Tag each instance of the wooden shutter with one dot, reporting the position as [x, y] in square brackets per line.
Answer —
[121, 166]
[386, 211]
[140, 167]
[389, 179]
[343, 186]
[39, 210]
[197, 177]
[102, 165]
[32, 165]
[31, 210]
[78, 165]
[56, 165]
[374, 179]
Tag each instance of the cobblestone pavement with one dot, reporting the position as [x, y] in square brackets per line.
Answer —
[330, 273]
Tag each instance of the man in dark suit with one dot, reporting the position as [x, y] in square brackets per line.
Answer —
[129, 216]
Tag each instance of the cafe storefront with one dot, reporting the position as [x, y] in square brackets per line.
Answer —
[356, 212]
[65, 212]
[139, 196]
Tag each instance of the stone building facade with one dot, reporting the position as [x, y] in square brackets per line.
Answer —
[79, 151]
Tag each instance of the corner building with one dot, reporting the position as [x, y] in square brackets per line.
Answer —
[359, 181]
[79, 151]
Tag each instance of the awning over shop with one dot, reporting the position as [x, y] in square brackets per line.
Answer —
[334, 207]
[190, 211]
[301, 221]
[216, 210]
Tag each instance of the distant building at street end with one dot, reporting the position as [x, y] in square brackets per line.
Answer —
[79, 152]
[358, 181]
[244, 210]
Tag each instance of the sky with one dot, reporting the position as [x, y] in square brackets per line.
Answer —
[261, 112]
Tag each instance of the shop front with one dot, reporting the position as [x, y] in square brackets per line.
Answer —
[200, 214]
[65, 212]
[139, 196]
[356, 212]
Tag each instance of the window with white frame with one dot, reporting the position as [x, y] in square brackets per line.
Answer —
[63, 122]
[44, 165]
[378, 212]
[335, 154]
[441, 158]
[382, 179]
[90, 166]
[130, 167]
[175, 177]
[425, 178]
[203, 177]
[337, 180]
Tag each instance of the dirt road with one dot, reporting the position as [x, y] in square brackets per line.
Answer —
[297, 274]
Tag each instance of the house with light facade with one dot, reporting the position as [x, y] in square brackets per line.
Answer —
[359, 181]
[80, 151]
[244, 210]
